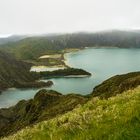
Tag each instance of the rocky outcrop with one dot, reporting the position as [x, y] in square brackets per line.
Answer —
[45, 105]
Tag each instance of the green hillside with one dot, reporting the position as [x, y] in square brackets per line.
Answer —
[29, 48]
[12, 70]
[46, 105]
[117, 84]
[111, 112]
[33, 47]
[15, 73]
[117, 118]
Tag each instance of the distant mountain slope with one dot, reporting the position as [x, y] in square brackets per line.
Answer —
[113, 38]
[11, 39]
[30, 48]
[33, 47]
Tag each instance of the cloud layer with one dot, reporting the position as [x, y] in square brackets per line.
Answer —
[48, 16]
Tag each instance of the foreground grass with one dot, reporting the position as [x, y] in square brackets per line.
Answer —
[117, 118]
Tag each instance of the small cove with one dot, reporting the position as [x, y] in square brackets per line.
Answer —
[101, 62]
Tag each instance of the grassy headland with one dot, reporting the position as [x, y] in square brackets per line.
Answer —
[116, 118]
[64, 72]
[117, 84]
[46, 105]
[53, 116]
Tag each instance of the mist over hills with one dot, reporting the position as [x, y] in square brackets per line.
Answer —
[12, 38]
[31, 47]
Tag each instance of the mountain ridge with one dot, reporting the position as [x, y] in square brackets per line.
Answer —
[35, 46]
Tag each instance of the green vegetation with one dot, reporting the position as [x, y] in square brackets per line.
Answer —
[31, 48]
[12, 70]
[15, 73]
[56, 116]
[65, 72]
[12, 38]
[113, 119]
[117, 84]
[111, 112]
[46, 104]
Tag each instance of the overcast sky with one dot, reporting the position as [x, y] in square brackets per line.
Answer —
[49, 16]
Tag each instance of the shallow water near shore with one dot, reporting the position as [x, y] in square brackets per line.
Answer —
[101, 62]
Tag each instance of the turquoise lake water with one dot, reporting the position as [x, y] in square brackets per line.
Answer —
[101, 62]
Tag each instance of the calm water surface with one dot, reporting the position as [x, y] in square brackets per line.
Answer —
[101, 62]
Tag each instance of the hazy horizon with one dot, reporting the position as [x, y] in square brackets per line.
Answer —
[49, 16]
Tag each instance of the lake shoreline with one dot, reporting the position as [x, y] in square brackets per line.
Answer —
[63, 59]
[59, 67]
[99, 62]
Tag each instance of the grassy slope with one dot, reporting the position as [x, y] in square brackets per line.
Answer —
[12, 71]
[30, 48]
[15, 73]
[116, 118]
[117, 84]
[46, 104]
